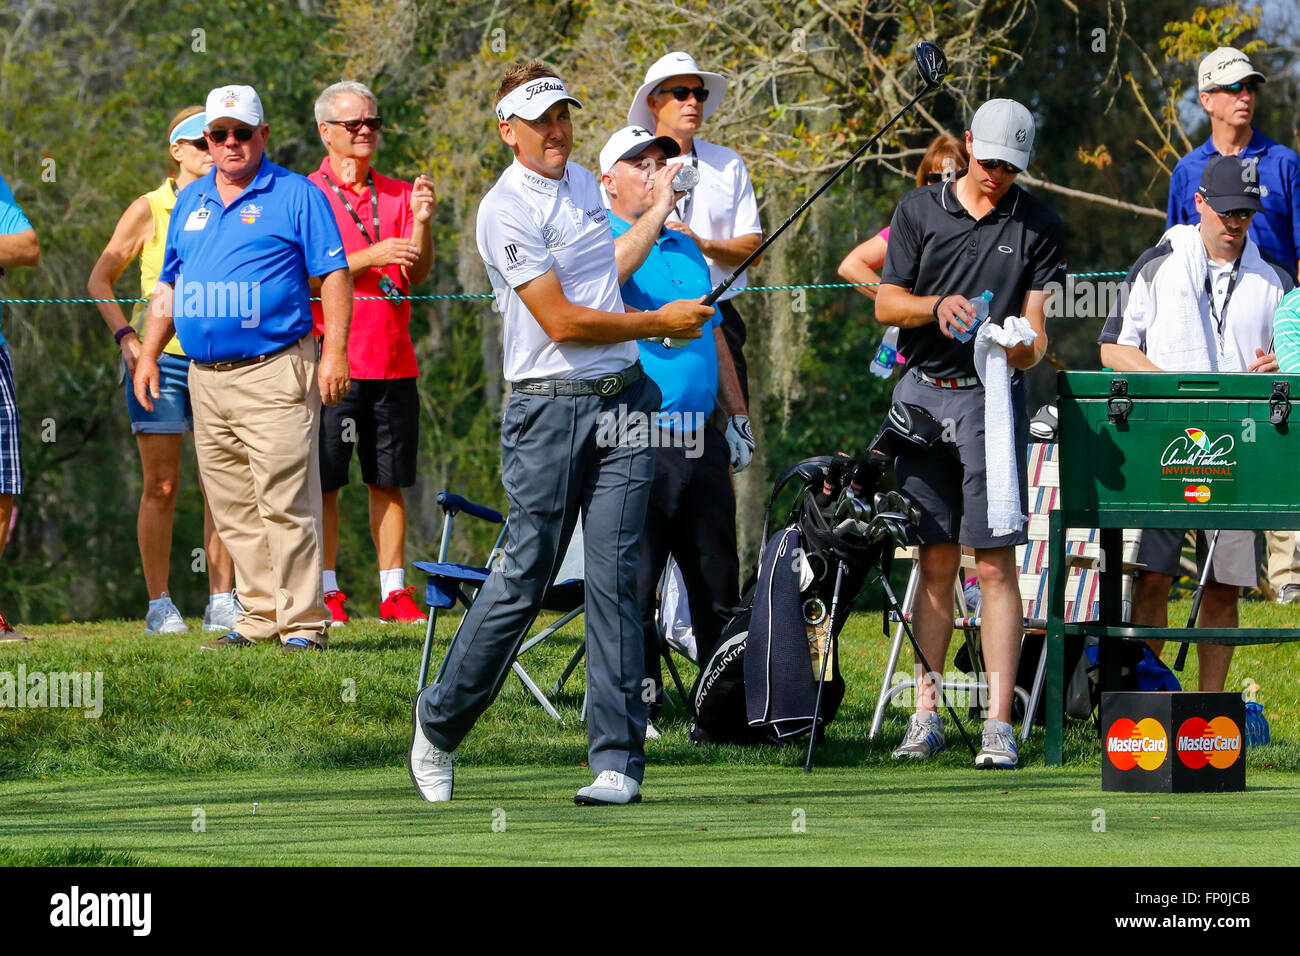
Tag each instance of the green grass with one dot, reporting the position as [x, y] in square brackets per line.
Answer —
[319, 741]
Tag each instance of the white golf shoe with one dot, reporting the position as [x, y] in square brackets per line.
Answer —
[431, 768]
[610, 788]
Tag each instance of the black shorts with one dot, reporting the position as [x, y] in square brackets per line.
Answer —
[952, 494]
[381, 417]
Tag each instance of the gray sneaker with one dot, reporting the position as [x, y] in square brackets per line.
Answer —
[220, 617]
[924, 737]
[998, 747]
[163, 618]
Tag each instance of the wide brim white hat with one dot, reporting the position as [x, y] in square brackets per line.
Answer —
[676, 63]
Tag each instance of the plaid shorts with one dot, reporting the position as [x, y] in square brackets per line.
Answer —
[11, 459]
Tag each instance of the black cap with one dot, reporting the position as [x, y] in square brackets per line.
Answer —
[1230, 183]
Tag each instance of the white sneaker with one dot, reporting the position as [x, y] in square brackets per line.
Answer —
[220, 616]
[998, 747]
[431, 769]
[651, 733]
[163, 618]
[924, 737]
[609, 788]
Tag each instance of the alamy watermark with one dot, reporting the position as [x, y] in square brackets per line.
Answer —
[72, 690]
[214, 300]
[632, 428]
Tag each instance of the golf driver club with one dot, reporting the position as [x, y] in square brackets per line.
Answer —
[932, 66]
[1181, 660]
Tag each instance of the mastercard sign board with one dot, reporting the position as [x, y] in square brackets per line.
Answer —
[1172, 743]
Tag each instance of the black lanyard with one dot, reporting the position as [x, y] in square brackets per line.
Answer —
[374, 205]
[1221, 317]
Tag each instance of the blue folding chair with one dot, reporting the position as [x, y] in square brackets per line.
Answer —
[449, 582]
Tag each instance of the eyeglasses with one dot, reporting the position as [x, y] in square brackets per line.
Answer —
[682, 92]
[371, 123]
[1242, 214]
[242, 134]
[992, 164]
[1235, 88]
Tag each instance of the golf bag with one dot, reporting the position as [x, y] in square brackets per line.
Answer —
[763, 680]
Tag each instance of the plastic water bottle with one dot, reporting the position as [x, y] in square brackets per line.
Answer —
[981, 303]
[882, 366]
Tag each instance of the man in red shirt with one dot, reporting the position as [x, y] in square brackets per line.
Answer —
[387, 233]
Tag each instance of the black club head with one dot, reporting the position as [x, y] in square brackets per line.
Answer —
[931, 63]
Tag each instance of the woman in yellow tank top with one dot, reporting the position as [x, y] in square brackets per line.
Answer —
[142, 231]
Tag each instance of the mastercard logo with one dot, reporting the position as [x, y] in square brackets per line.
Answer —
[1215, 742]
[1197, 494]
[1143, 744]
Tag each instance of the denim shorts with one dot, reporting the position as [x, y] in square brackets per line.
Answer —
[172, 414]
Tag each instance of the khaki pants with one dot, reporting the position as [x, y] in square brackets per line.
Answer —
[256, 432]
[1283, 558]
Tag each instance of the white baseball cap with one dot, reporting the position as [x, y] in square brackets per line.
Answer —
[234, 102]
[676, 63]
[1002, 129]
[1223, 67]
[633, 141]
[530, 100]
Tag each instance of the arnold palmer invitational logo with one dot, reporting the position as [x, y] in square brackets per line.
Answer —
[1196, 457]
[1143, 744]
[1215, 742]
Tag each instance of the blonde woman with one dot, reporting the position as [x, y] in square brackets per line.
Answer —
[142, 232]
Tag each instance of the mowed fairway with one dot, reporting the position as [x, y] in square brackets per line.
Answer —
[189, 742]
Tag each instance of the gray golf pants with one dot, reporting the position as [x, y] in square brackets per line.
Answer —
[552, 464]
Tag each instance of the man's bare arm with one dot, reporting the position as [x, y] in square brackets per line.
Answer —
[564, 321]
[20, 250]
[1126, 358]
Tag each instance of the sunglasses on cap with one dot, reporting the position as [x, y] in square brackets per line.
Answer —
[371, 123]
[1249, 86]
[682, 92]
[992, 164]
[242, 134]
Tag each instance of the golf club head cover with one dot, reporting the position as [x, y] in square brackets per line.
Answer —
[740, 439]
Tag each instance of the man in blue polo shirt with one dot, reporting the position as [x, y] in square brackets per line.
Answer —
[1228, 86]
[692, 509]
[242, 247]
[19, 247]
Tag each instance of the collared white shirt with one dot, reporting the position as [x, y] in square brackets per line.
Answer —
[722, 205]
[529, 224]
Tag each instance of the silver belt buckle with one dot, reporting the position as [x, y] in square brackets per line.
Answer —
[607, 386]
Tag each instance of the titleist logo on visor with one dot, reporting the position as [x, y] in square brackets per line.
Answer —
[543, 86]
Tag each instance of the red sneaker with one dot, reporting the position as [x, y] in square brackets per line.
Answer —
[335, 601]
[7, 633]
[400, 606]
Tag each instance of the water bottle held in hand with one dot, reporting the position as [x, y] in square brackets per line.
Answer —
[981, 303]
[886, 358]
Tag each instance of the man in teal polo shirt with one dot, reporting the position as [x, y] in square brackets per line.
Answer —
[692, 509]
[243, 245]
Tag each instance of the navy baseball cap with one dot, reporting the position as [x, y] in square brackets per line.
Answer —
[1229, 183]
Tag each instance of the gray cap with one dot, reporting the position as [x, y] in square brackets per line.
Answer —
[1002, 129]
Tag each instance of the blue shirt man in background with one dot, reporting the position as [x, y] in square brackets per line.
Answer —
[692, 509]
[1228, 86]
[19, 248]
[242, 246]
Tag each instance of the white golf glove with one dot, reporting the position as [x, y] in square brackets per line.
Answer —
[740, 439]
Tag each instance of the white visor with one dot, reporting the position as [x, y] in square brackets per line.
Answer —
[530, 100]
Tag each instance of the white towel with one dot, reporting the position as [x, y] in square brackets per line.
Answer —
[1185, 346]
[1003, 484]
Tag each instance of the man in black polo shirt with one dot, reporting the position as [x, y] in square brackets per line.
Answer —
[948, 243]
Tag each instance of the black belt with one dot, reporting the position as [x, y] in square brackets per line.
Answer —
[607, 386]
[240, 363]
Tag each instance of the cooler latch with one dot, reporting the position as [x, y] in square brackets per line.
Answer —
[1279, 404]
[1119, 404]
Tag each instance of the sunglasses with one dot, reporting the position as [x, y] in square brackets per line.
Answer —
[1242, 214]
[939, 177]
[1234, 88]
[992, 164]
[242, 134]
[199, 143]
[682, 92]
[371, 123]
